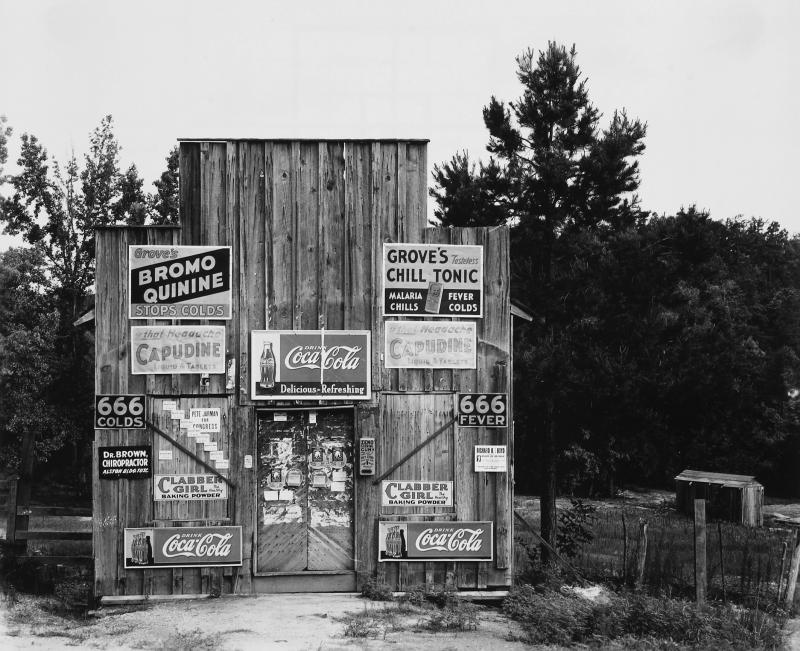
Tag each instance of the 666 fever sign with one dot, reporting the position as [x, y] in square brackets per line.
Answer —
[435, 541]
[483, 410]
[182, 547]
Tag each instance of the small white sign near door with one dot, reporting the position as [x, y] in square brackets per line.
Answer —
[491, 458]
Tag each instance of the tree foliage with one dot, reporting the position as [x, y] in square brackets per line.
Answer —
[47, 364]
[658, 343]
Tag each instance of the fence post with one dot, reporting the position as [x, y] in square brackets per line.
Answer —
[700, 576]
[642, 553]
[783, 569]
[624, 550]
[721, 560]
[794, 566]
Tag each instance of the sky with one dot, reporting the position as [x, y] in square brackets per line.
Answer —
[715, 81]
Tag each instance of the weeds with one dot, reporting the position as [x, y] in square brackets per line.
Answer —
[190, 641]
[423, 608]
[376, 590]
[637, 620]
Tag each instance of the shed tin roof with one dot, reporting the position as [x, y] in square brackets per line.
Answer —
[724, 479]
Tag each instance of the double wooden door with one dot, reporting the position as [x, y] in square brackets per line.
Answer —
[305, 491]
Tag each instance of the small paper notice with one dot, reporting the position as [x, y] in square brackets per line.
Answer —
[178, 414]
[210, 446]
[338, 486]
[248, 460]
[169, 405]
[279, 416]
[165, 455]
[223, 464]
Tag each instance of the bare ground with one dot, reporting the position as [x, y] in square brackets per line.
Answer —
[292, 622]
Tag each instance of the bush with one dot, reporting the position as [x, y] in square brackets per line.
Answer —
[73, 593]
[376, 590]
[575, 527]
[640, 620]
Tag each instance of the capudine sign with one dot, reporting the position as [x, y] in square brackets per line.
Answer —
[179, 282]
[177, 349]
[310, 365]
[182, 547]
[430, 344]
[436, 280]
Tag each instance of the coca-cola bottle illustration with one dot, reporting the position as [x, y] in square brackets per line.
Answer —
[148, 551]
[402, 545]
[267, 364]
[393, 543]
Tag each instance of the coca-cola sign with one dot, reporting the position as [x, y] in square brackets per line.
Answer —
[441, 541]
[182, 547]
[310, 365]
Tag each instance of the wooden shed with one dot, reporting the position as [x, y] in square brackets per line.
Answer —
[336, 407]
[735, 498]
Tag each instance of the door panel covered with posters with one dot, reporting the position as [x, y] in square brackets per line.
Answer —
[305, 491]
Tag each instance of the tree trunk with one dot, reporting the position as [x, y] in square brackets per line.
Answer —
[548, 493]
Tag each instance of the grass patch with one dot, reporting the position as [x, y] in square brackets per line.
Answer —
[374, 623]
[190, 641]
[421, 608]
[638, 620]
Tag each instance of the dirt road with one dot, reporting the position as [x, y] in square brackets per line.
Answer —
[285, 622]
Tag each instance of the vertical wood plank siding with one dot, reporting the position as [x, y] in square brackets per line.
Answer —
[306, 221]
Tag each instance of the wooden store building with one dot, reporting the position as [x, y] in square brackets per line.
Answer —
[302, 387]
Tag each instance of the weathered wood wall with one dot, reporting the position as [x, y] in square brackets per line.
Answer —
[306, 221]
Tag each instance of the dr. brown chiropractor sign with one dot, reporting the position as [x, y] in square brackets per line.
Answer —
[179, 282]
[182, 547]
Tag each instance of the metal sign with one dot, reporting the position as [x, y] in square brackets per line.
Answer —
[182, 547]
[170, 488]
[483, 410]
[310, 365]
[491, 458]
[435, 541]
[416, 493]
[366, 456]
[164, 350]
[179, 282]
[436, 280]
[125, 462]
[119, 411]
[427, 344]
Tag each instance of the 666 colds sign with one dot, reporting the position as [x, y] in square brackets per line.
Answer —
[115, 411]
[483, 410]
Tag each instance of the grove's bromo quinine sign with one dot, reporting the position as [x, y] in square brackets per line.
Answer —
[436, 280]
[179, 282]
